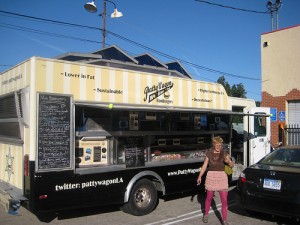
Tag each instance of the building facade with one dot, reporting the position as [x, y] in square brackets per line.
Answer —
[280, 63]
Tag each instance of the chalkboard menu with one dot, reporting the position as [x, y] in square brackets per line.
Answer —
[54, 130]
[134, 151]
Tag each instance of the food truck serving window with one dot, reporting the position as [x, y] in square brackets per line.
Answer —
[136, 138]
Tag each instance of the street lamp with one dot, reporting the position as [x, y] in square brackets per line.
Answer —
[274, 7]
[92, 8]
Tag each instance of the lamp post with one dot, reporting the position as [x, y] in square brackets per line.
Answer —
[92, 8]
[274, 7]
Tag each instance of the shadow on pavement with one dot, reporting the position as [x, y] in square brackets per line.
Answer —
[47, 217]
[233, 199]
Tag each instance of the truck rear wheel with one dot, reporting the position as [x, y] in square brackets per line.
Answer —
[142, 200]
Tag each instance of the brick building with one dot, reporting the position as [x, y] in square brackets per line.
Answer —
[280, 63]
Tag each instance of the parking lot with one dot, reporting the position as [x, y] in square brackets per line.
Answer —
[176, 210]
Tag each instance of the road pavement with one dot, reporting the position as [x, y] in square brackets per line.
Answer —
[177, 210]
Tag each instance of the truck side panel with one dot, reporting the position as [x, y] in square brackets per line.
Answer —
[11, 164]
[68, 190]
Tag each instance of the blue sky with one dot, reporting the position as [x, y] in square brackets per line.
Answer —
[208, 36]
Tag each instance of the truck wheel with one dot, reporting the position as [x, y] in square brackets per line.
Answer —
[142, 199]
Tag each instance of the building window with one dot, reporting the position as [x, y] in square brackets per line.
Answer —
[266, 44]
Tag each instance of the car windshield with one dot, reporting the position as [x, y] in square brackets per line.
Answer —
[283, 156]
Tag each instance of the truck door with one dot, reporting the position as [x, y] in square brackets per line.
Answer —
[257, 134]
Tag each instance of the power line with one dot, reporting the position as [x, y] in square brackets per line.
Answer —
[113, 34]
[16, 27]
[254, 92]
[234, 8]
[48, 20]
[181, 60]
[5, 65]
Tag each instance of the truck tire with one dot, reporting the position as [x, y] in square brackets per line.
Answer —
[142, 200]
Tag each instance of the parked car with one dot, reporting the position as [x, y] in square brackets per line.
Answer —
[272, 185]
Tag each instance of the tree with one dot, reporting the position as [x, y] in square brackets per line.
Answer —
[221, 80]
[236, 90]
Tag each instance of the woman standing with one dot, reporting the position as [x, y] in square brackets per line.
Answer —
[216, 178]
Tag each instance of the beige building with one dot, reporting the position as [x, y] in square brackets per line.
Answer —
[280, 62]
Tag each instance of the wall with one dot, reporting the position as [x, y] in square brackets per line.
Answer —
[280, 62]
[278, 102]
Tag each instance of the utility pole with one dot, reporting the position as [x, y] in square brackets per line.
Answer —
[103, 24]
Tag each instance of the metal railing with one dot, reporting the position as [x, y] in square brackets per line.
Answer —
[292, 133]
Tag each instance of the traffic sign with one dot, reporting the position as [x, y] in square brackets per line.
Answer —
[273, 116]
[281, 116]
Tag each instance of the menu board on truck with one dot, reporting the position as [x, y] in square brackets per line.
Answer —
[54, 132]
[133, 150]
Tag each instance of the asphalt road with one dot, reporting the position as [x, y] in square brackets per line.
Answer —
[176, 210]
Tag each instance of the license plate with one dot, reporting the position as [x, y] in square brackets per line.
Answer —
[272, 184]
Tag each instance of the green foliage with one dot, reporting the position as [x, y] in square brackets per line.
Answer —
[236, 90]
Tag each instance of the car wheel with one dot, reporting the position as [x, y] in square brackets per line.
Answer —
[142, 200]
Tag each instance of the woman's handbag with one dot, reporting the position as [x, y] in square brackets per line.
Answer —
[228, 170]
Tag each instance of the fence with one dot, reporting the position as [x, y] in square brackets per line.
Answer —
[292, 133]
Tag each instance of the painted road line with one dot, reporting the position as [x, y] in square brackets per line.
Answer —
[219, 207]
[173, 218]
[187, 216]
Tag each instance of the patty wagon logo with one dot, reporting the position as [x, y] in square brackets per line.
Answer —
[153, 92]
